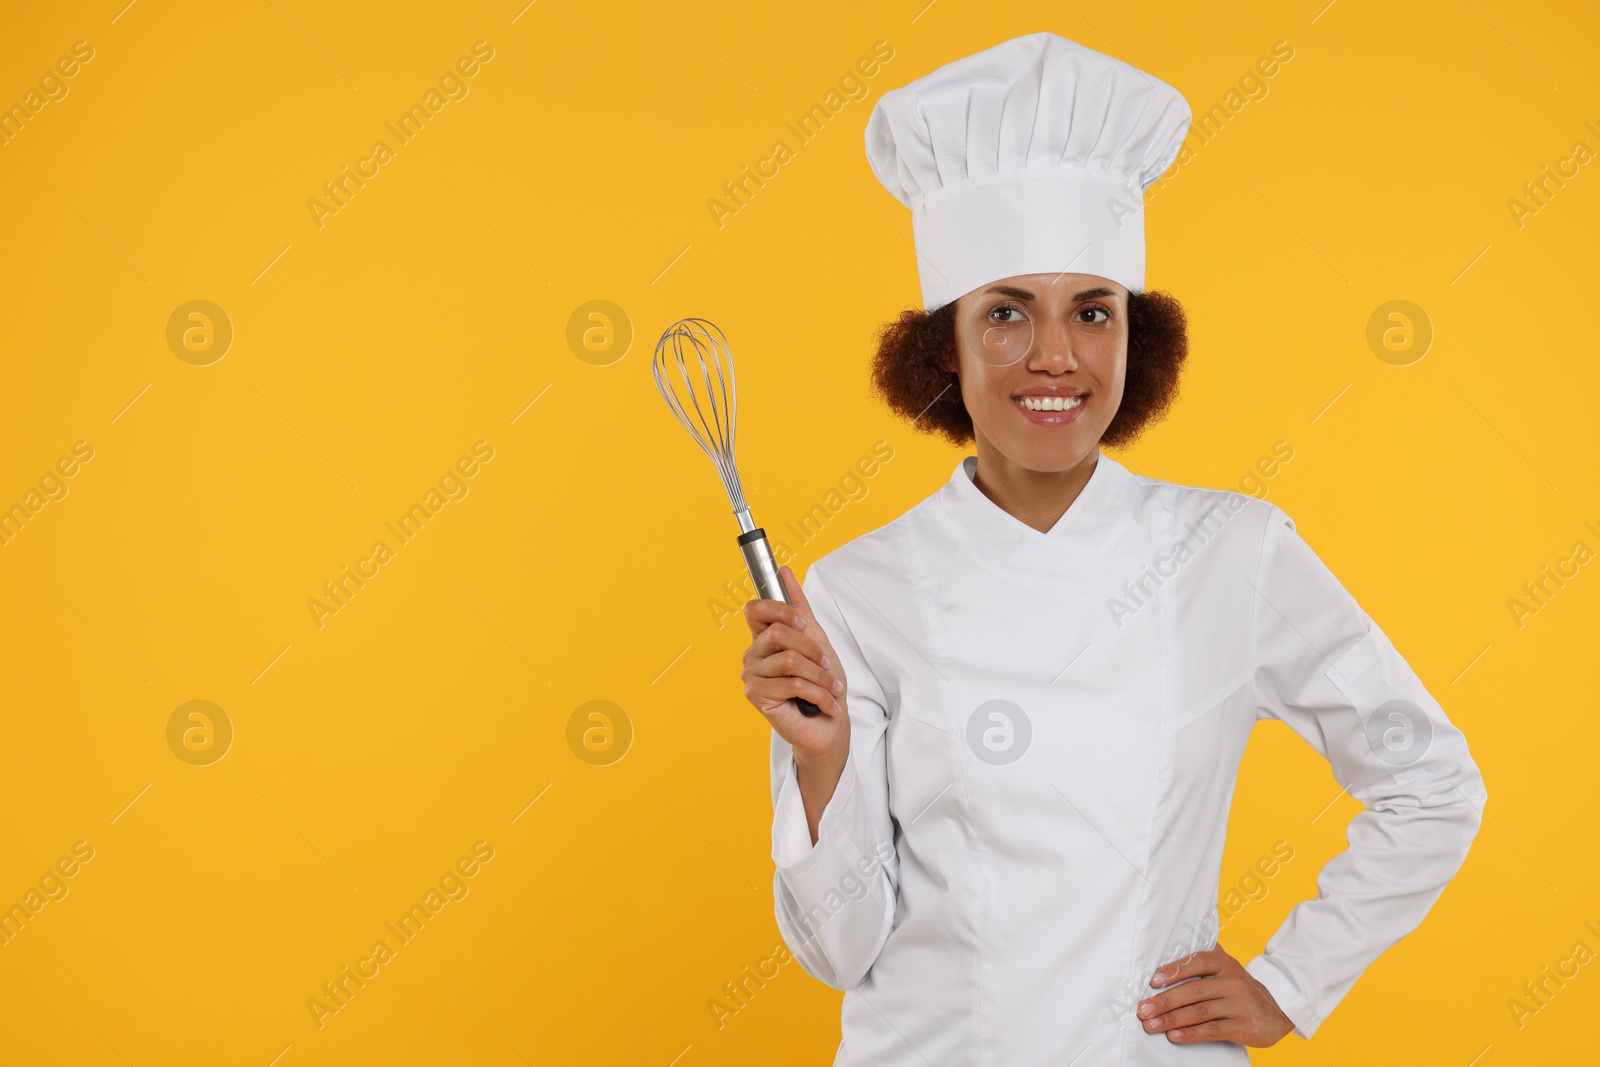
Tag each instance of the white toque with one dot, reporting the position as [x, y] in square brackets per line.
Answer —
[1029, 157]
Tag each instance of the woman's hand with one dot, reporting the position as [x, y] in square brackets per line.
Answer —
[789, 656]
[1221, 1001]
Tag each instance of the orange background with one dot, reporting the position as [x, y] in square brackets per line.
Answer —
[372, 348]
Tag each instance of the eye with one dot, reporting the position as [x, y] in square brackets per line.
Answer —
[1097, 309]
[1006, 314]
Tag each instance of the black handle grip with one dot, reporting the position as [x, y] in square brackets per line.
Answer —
[806, 707]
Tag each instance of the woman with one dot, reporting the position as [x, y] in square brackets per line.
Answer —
[1002, 836]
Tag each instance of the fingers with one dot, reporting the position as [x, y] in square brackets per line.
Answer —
[797, 596]
[1191, 1002]
[1198, 981]
[760, 614]
[776, 679]
[791, 663]
[1201, 989]
[803, 604]
[1196, 963]
[1211, 997]
[778, 637]
[1211, 1030]
[789, 655]
[1183, 1022]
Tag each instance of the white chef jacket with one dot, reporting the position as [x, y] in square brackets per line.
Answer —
[1045, 731]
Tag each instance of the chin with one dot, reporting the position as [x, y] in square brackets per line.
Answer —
[1050, 452]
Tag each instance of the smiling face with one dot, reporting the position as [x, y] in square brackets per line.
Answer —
[1047, 410]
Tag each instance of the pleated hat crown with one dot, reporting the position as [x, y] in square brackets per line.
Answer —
[1029, 157]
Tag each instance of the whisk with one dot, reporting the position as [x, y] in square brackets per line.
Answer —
[694, 353]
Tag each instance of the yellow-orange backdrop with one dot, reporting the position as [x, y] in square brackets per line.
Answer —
[190, 475]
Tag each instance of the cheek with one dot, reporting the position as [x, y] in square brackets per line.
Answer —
[969, 373]
[1111, 367]
[984, 388]
[1119, 377]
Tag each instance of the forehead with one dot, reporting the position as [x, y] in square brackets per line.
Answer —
[1054, 287]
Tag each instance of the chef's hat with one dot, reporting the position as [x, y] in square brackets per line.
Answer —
[1029, 157]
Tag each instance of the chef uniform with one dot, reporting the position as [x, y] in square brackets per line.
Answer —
[1045, 728]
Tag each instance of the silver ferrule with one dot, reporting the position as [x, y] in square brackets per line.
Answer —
[763, 569]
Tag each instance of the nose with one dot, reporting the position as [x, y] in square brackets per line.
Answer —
[1052, 346]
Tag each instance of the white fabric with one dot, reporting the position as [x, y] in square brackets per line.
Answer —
[1029, 157]
[1011, 915]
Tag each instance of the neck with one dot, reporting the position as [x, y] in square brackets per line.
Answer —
[1037, 498]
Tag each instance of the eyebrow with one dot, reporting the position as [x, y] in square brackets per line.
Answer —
[1023, 294]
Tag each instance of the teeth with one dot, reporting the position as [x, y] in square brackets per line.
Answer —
[1050, 403]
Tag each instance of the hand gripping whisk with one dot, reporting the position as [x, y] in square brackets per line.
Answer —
[694, 354]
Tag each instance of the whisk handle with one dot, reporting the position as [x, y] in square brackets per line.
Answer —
[764, 572]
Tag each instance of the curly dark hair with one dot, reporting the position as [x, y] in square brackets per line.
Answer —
[908, 369]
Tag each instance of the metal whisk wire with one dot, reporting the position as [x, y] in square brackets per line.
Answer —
[711, 390]
[709, 387]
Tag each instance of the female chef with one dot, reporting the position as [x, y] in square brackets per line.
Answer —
[1003, 835]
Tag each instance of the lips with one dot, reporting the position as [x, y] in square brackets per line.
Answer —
[1050, 407]
[1049, 403]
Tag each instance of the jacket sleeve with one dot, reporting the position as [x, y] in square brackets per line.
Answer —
[835, 900]
[1325, 668]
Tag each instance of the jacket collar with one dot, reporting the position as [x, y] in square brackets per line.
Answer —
[1091, 523]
